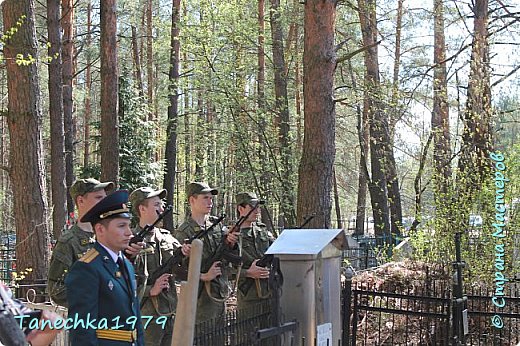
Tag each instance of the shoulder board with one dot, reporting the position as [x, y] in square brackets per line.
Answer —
[89, 256]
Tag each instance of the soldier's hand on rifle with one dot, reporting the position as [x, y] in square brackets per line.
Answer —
[163, 282]
[212, 273]
[133, 249]
[232, 238]
[256, 272]
[185, 249]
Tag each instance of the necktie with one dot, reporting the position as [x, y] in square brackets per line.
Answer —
[122, 268]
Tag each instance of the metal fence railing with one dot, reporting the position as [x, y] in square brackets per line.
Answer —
[238, 327]
[421, 315]
[7, 263]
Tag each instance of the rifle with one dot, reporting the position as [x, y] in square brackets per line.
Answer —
[265, 261]
[139, 237]
[222, 253]
[174, 262]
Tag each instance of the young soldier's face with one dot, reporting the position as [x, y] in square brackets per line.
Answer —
[90, 199]
[149, 210]
[115, 234]
[253, 216]
[201, 204]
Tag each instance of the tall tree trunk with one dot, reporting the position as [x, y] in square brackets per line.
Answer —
[265, 177]
[336, 199]
[440, 114]
[282, 111]
[187, 127]
[319, 62]
[394, 195]
[88, 88]
[476, 137]
[24, 121]
[200, 146]
[377, 119]
[363, 176]
[261, 57]
[59, 212]
[109, 93]
[173, 109]
[149, 57]
[137, 62]
[297, 86]
[67, 25]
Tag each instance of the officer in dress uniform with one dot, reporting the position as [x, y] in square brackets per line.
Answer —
[77, 240]
[101, 285]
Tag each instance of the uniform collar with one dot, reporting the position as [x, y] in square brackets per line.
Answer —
[85, 226]
[112, 254]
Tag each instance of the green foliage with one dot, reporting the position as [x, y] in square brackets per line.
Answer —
[7, 35]
[138, 140]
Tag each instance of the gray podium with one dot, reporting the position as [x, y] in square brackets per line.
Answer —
[310, 261]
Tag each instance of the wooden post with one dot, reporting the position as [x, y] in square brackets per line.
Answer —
[184, 326]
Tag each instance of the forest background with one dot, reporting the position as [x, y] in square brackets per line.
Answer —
[347, 111]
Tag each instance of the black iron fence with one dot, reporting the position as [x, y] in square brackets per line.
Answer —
[7, 263]
[421, 314]
[237, 327]
[369, 254]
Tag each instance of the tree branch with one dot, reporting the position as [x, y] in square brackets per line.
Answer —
[356, 52]
[500, 80]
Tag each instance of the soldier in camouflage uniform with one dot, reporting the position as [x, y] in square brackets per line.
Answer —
[74, 242]
[158, 298]
[214, 288]
[253, 285]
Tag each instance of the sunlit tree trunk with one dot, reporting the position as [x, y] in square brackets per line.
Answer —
[149, 57]
[137, 62]
[109, 92]
[440, 114]
[377, 120]
[319, 63]
[476, 137]
[67, 25]
[58, 191]
[173, 108]
[25, 152]
[88, 86]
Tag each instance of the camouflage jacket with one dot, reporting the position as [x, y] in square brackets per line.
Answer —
[213, 242]
[159, 247]
[70, 247]
[255, 242]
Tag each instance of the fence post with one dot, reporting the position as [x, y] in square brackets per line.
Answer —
[459, 318]
[184, 326]
[347, 301]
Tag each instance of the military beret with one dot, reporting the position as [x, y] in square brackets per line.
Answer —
[197, 188]
[138, 196]
[114, 205]
[83, 186]
[250, 198]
